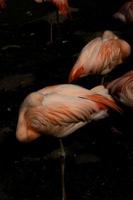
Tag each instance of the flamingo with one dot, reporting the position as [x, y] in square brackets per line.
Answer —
[122, 89]
[125, 13]
[63, 10]
[59, 111]
[2, 4]
[100, 56]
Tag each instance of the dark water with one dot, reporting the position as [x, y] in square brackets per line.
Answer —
[99, 162]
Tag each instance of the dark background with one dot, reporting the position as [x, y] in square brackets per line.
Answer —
[99, 162]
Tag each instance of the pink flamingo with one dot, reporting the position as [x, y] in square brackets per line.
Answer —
[59, 111]
[122, 89]
[125, 13]
[100, 56]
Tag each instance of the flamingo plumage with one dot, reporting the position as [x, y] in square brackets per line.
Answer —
[122, 89]
[60, 110]
[100, 56]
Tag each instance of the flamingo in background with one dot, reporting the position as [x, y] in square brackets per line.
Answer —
[122, 89]
[63, 11]
[62, 5]
[59, 111]
[125, 13]
[100, 56]
[2, 4]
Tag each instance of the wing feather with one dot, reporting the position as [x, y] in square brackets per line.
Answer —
[60, 115]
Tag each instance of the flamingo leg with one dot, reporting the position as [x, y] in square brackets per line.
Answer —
[103, 79]
[62, 160]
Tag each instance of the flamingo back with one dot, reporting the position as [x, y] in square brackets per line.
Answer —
[122, 89]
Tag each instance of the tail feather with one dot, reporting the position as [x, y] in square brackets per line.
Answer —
[104, 102]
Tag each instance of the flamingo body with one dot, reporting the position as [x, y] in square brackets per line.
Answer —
[122, 89]
[100, 56]
[60, 110]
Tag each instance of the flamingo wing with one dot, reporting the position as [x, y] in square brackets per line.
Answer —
[109, 56]
[122, 89]
[59, 113]
[76, 91]
[66, 89]
[65, 114]
[85, 62]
